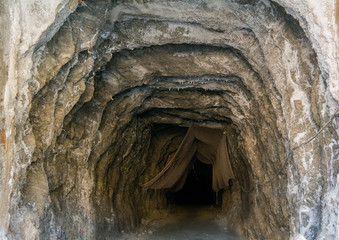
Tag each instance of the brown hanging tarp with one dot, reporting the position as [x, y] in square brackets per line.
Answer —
[203, 143]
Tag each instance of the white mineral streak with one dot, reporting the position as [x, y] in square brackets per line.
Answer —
[9, 96]
[30, 19]
[317, 18]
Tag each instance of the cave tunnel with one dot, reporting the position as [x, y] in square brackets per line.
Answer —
[199, 168]
[113, 87]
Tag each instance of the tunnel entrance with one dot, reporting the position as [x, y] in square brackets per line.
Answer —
[197, 190]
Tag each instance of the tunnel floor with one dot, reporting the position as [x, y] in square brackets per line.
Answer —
[186, 223]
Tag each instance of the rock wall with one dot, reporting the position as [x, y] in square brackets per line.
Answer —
[95, 96]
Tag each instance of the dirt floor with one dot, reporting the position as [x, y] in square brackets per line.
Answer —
[184, 222]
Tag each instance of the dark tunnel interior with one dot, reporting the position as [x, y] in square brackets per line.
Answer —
[197, 190]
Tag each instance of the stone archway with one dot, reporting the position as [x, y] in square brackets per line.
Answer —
[85, 96]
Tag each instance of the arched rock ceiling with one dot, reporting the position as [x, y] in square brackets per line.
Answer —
[115, 69]
[254, 42]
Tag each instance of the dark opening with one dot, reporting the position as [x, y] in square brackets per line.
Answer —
[198, 187]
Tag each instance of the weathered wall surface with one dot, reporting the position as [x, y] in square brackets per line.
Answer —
[23, 25]
[319, 21]
[82, 91]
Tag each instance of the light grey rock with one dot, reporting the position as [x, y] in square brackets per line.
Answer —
[95, 96]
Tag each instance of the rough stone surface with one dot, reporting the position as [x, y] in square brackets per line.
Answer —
[95, 96]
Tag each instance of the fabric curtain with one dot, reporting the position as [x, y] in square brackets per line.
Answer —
[206, 144]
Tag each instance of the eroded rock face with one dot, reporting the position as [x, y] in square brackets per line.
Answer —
[107, 98]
